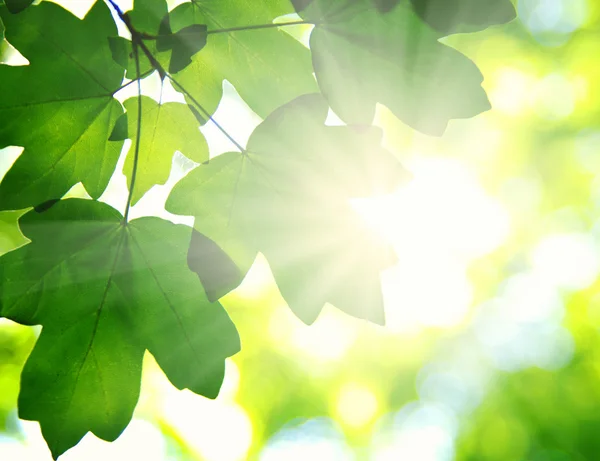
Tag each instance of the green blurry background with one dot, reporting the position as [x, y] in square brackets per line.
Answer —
[492, 348]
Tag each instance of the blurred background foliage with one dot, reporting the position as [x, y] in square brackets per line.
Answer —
[492, 348]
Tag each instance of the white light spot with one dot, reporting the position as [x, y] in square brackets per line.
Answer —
[568, 261]
[554, 97]
[217, 430]
[356, 405]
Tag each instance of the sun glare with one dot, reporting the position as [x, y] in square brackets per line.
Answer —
[438, 224]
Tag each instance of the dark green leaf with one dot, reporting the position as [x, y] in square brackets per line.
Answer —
[46, 205]
[210, 193]
[289, 198]
[382, 5]
[300, 5]
[16, 6]
[268, 68]
[121, 50]
[166, 128]
[451, 16]
[104, 293]
[385, 5]
[217, 272]
[146, 17]
[183, 43]
[164, 40]
[201, 120]
[59, 108]
[365, 57]
[121, 130]
[186, 43]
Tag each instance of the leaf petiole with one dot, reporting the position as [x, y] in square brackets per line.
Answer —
[138, 136]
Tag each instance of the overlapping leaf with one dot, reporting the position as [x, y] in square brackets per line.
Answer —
[104, 293]
[146, 17]
[451, 16]
[446, 16]
[16, 6]
[288, 197]
[183, 43]
[60, 108]
[362, 57]
[268, 67]
[166, 128]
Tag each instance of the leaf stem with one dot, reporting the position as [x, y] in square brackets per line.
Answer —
[144, 75]
[206, 114]
[258, 26]
[138, 40]
[138, 135]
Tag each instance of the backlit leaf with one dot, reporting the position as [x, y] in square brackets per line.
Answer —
[268, 68]
[60, 108]
[166, 128]
[289, 198]
[362, 57]
[104, 293]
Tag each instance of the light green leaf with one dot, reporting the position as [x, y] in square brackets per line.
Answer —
[210, 193]
[146, 16]
[104, 293]
[165, 129]
[10, 235]
[267, 67]
[362, 57]
[289, 198]
[59, 108]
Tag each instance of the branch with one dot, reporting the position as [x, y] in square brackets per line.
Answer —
[144, 75]
[206, 113]
[138, 40]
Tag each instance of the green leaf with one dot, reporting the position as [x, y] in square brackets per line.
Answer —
[186, 43]
[382, 5]
[452, 16]
[16, 6]
[60, 107]
[183, 44]
[210, 193]
[10, 235]
[166, 128]
[267, 67]
[121, 50]
[122, 53]
[362, 57]
[146, 17]
[121, 130]
[104, 293]
[216, 270]
[289, 198]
